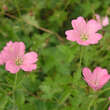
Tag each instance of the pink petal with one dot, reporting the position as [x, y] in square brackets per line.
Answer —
[19, 48]
[100, 72]
[88, 77]
[79, 25]
[93, 26]
[105, 21]
[109, 108]
[11, 67]
[12, 50]
[81, 42]
[72, 35]
[7, 52]
[28, 67]
[104, 79]
[87, 73]
[94, 38]
[101, 76]
[98, 18]
[30, 58]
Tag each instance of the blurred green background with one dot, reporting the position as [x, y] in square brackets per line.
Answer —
[41, 25]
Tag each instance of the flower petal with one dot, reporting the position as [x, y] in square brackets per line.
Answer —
[104, 79]
[98, 18]
[87, 73]
[80, 25]
[19, 48]
[72, 35]
[12, 50]
[28, 67]
[101, 75]
[81, 42]
[11, 67]
[105, 21]
[94, 38]
[30, 58]
[93, 26]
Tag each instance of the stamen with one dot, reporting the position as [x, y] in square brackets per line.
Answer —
[19, 61]
[84, 37]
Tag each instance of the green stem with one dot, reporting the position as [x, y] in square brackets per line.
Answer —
[91, 103]
[81, 50]
[81, 56]
[93, 100]
[106, 105]
[14, 89]
[95, 106]
[86, 56]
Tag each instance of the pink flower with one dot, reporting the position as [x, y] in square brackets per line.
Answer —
[15, 58]
[104, 21]
[109, 108]
[96, 79]
[84, 33]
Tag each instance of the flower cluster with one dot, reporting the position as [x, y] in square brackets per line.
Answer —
[14, 57]
[86, 33]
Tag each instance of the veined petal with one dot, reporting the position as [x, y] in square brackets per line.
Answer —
[81, 42]
[30, 58]
[72, 35]
[28, 67]
[87, 73]
[80, 25]
[94, 38]
[11, 67]
[19, 48]
[93, 26]
[104, 79]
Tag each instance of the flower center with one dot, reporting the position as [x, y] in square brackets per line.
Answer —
[19, 61]
[95, 82]
[84, 37]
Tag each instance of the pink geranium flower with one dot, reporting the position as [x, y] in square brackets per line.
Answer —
[96, 79]
[104, 21]
[109, 108]
[84, 33]
[15, 58]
